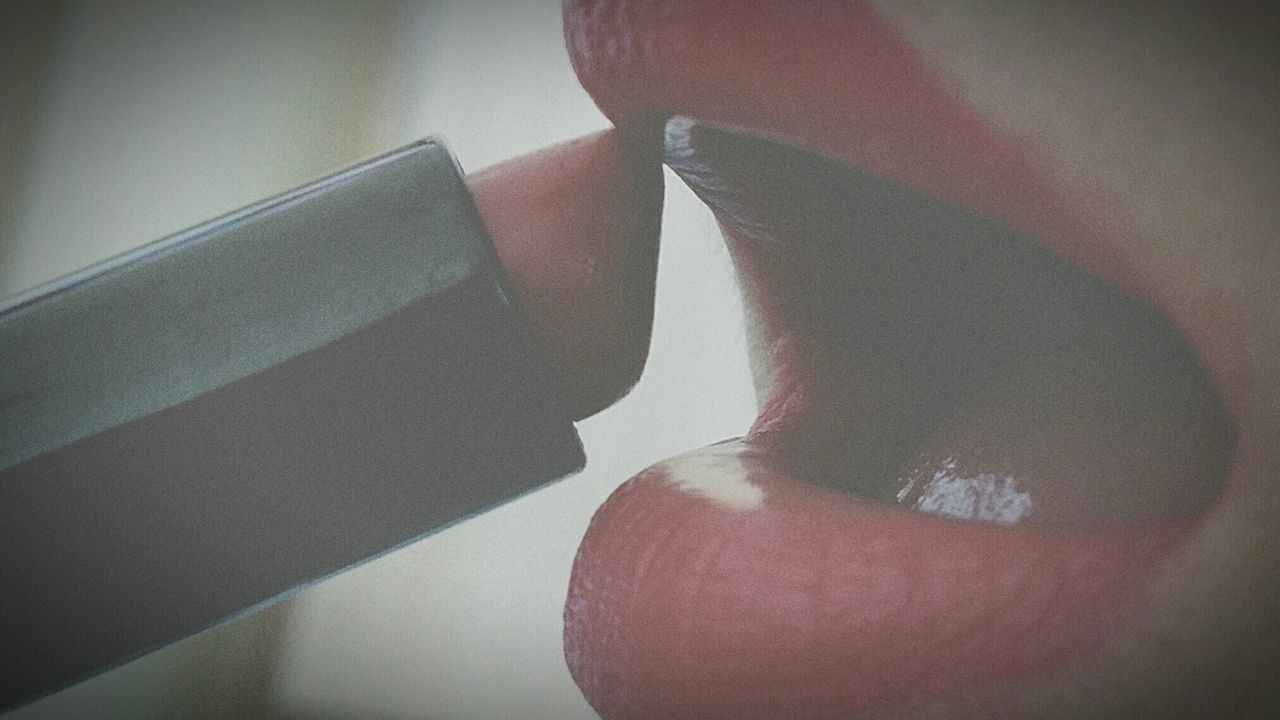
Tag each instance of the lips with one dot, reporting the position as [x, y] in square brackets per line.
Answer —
[974, 457]
[777, 598]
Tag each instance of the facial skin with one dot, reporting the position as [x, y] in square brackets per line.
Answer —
[1010, 264]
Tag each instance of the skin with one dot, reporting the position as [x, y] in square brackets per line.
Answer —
[773, 576]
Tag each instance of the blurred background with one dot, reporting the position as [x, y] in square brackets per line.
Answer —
[121, 122]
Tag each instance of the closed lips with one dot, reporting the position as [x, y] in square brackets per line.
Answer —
[975, 461]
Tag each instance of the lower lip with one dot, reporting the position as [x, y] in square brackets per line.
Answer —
[715, 585]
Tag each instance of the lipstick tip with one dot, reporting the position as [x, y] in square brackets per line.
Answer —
[576, 227]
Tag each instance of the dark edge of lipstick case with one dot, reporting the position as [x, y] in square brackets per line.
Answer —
[201, 426]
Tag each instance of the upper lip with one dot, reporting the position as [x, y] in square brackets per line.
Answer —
[899, 313]
[837, 79]
[834, 79]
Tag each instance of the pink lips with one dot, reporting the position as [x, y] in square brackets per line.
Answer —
[806, 603]
[719, 585]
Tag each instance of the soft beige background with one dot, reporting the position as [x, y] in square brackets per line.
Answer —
[139, 118]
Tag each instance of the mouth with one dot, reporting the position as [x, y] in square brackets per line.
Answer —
[970, 460]
[979, 444]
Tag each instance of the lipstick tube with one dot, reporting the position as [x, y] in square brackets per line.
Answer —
[201, 426]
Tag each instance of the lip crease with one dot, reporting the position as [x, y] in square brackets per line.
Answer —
[738, 581]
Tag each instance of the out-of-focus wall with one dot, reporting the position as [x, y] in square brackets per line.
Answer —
[142, 117]
[160, 115]
[28, 45]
